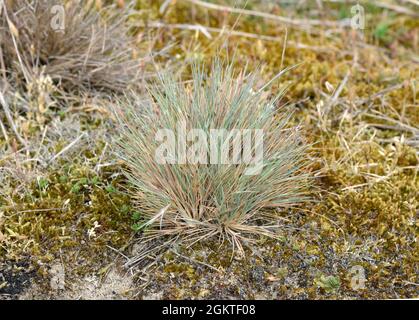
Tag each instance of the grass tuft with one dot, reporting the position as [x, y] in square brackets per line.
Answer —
[78, 47]
[196, 201]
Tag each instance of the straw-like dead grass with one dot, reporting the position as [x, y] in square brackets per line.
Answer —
[76, 46]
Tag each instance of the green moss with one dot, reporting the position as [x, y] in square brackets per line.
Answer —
[69, 211]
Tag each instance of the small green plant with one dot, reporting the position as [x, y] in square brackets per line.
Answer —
[83, 183]
[381, 32]
[328, 283]
[110, 188]
[138, 225]
[197, 201]
[42, 183]
[136, 216]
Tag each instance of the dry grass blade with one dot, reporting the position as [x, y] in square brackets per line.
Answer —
[305, 23]
[9, 118]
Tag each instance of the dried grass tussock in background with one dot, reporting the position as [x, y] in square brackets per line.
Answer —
[71, 42]
[195, 201]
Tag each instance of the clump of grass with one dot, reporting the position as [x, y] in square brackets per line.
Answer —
[194, 201]
[92, 50]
